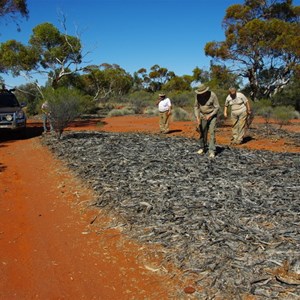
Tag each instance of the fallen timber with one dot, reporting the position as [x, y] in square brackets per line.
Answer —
[234, 221]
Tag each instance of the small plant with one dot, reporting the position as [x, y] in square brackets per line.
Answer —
[121, 112]
[143, 96]
[183, 99]
[179, 114]
[138, 105]
[151, 111]
[64, 106]
[283, 114]
[264, 109]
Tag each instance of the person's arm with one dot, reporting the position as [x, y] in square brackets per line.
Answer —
[225, 111]
[226, 104]
[169, 111]
[248, 108]
[197, 111]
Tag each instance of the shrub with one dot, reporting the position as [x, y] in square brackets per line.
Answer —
[143, 96]
[64, 106]
[138, 106]
[179, 114]
[151, 111]
[288, 95]
[140, 100]
[183, 99]
[121, 112]
[283, 114]
[263, 108]
[266, 113]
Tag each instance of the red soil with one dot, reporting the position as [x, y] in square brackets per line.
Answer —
[54, 245]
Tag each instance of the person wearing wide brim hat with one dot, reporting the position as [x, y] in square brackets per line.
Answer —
[202, 89]
[206, 108]
[164, 108]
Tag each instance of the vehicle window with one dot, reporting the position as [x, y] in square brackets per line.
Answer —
[8, 100]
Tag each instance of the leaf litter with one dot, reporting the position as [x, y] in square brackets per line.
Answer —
[232, 223]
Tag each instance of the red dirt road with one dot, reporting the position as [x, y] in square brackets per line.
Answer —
[53, 245]
[49, 249]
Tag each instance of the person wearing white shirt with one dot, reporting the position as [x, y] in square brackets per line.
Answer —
[164, 107]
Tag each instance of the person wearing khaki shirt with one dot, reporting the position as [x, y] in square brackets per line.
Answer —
[206, 109]
[240, 109]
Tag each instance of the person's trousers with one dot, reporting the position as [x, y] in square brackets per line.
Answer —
[208, 127]
[164, 121]
[238, 127]
[46, 120]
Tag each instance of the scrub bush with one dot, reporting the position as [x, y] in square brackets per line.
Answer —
[65, 105]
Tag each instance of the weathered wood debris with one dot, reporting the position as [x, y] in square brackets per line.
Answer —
[233, 221]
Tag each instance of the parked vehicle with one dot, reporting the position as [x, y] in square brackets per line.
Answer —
[12, 115]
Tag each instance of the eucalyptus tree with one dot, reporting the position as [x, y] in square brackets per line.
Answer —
[178, 83]
[200, 75]
[158, 77]
[13, 9]
[262, 44]
[49, 52]
[221, 77]
[106, 81]
[29, 94]
[141, 80]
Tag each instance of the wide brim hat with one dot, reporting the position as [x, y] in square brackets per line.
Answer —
[202, 89]
[162, 95]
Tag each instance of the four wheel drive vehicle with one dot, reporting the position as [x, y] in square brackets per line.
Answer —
[12, 115]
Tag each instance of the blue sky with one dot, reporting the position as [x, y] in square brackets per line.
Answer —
[132, 33]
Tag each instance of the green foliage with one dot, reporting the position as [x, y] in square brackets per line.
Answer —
[177, 83]
[121, 112]
[48, 52]
[16, 57]
[263, 108]
[283, 114]
[262, 43]
[106, 82]
[221, 94]
[220, 77]
[182, 99]
[151, 111]
[140, 100]
[159, 76]
[64, 106]
[29, 94]
[54, 47]
[288, 95]
[179, 114]
[138, 106]
[142, 95]
[10, 8]
[154, 81]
